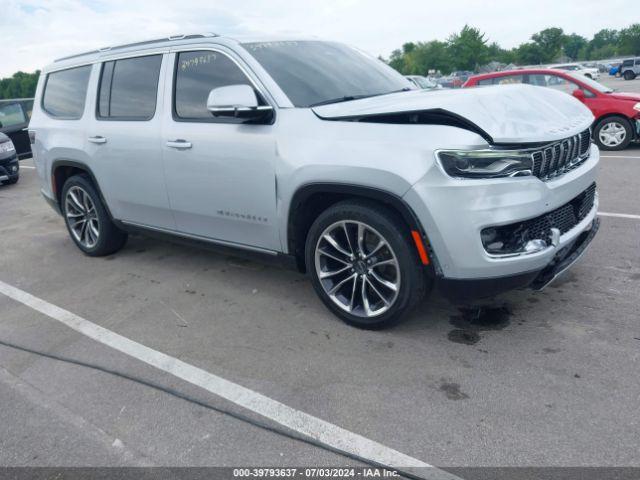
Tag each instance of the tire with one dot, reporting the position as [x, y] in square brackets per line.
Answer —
[613, 133]
[588, 75]
[401, 267]
[98, 236]
[629, 75]
[12, 181]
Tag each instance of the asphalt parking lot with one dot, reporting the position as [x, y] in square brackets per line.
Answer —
[545, 379]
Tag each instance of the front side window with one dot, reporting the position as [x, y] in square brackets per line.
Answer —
[199, 72]
[65, 92]
[557, 83]
[129, 88]
[316, 72]
[485, 82]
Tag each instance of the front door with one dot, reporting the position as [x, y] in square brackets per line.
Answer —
[220, 172]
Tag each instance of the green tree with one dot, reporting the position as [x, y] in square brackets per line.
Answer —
[629, 40]
[468, 48]
[433, 55]
[573, 45]
[20, 85]
[529, 54]
[549, 42]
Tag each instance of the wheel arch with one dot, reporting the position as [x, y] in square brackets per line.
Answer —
[311, 199]
[63, 169]
[610, 114]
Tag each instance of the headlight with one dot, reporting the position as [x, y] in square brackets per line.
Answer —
[636, 107]
[7, 147]
[485, 163]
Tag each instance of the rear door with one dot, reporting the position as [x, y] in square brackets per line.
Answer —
[13, 123]
[220, 171]
[124, 140]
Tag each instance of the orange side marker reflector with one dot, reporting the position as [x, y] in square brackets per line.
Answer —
[417, 238]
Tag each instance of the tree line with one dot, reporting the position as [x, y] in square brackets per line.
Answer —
[470, 49]
[20, 85]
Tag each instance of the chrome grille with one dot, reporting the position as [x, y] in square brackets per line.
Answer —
[561, 157]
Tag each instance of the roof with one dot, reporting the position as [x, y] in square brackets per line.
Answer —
[96, 55]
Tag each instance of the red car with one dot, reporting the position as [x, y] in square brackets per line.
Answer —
[617, 114]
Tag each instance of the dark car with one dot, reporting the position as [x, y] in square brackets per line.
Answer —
[14, 121]
[9, 166]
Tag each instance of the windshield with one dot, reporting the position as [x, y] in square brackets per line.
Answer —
[424, 82]
[591, 83]
[315, 72]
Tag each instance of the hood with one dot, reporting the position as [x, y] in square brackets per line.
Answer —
[633, 97]
[501, 113]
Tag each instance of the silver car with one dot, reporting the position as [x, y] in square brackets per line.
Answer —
[317, 154]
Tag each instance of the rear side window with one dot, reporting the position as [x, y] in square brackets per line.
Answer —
[486, 81]
[65, 93]
[197, 73]
[627, 63]
[509, 79]
[638, 61]
[129, 88]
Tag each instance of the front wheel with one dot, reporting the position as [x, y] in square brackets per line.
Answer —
[363, 265]
[87, 220]
[613, 133]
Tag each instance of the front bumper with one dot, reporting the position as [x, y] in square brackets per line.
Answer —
[9, 168]
[468, 290]
[454, 212]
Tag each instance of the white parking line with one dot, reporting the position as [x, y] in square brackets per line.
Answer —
[618, 156]
[619, 215]
[324, 432]
[27, 166]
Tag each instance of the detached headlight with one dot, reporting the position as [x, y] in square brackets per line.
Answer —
[485, 163]
[636, 107]
[7, 147]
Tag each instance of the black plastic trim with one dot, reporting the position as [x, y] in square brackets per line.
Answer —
[434, 116]
[280, 259]
[304, 192]
[71, 163]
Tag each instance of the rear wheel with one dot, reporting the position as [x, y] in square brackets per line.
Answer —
[363, 266]
[613, 133]
[87, 219]
[629, 75]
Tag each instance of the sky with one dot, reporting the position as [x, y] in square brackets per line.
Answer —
[35, 32]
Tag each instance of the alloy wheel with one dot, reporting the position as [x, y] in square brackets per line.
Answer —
[81, 216]
[357, 268]
[612, 134]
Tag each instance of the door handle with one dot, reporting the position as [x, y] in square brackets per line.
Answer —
[179, 144]
[97, 139]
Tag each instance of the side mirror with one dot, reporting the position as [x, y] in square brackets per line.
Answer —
[237, 101]
[579, 94]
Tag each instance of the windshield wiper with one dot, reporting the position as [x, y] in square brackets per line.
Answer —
[348, 98]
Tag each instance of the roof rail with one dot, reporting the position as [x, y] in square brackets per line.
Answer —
[138, 44]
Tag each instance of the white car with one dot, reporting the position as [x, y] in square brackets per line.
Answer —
[589, 72]
[315, 153]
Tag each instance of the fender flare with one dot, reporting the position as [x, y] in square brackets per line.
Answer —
[81, 166]
[304, 192]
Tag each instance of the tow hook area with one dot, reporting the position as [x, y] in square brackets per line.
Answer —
[566, 257]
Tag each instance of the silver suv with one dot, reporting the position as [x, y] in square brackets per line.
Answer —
[317, 154]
